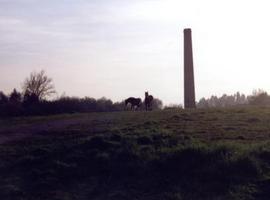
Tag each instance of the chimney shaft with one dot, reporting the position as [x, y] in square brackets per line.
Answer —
[189, 89]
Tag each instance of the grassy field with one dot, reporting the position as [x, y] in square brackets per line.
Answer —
[174, 154]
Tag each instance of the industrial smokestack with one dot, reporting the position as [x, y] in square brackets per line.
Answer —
[189, 90]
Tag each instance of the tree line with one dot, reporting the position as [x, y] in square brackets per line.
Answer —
[258, 97]
[36, 88]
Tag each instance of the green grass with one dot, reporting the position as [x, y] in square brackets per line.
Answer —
[176, 154]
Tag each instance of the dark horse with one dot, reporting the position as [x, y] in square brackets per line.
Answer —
[134, 102]
[148, 101]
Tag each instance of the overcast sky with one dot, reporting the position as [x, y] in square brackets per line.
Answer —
[121, 48]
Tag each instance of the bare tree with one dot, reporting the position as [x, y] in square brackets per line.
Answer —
[38, 84]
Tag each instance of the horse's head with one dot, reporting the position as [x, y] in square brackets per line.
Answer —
[146, 94]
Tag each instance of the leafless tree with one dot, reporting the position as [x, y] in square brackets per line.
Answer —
[38, 84]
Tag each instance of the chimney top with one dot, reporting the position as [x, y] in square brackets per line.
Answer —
[187, 30]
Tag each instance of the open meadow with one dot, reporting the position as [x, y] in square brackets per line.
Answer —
[167, 154]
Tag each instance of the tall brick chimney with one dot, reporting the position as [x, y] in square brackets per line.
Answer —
[189, 89]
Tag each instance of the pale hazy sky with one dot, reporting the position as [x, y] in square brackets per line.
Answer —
[121, 48]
